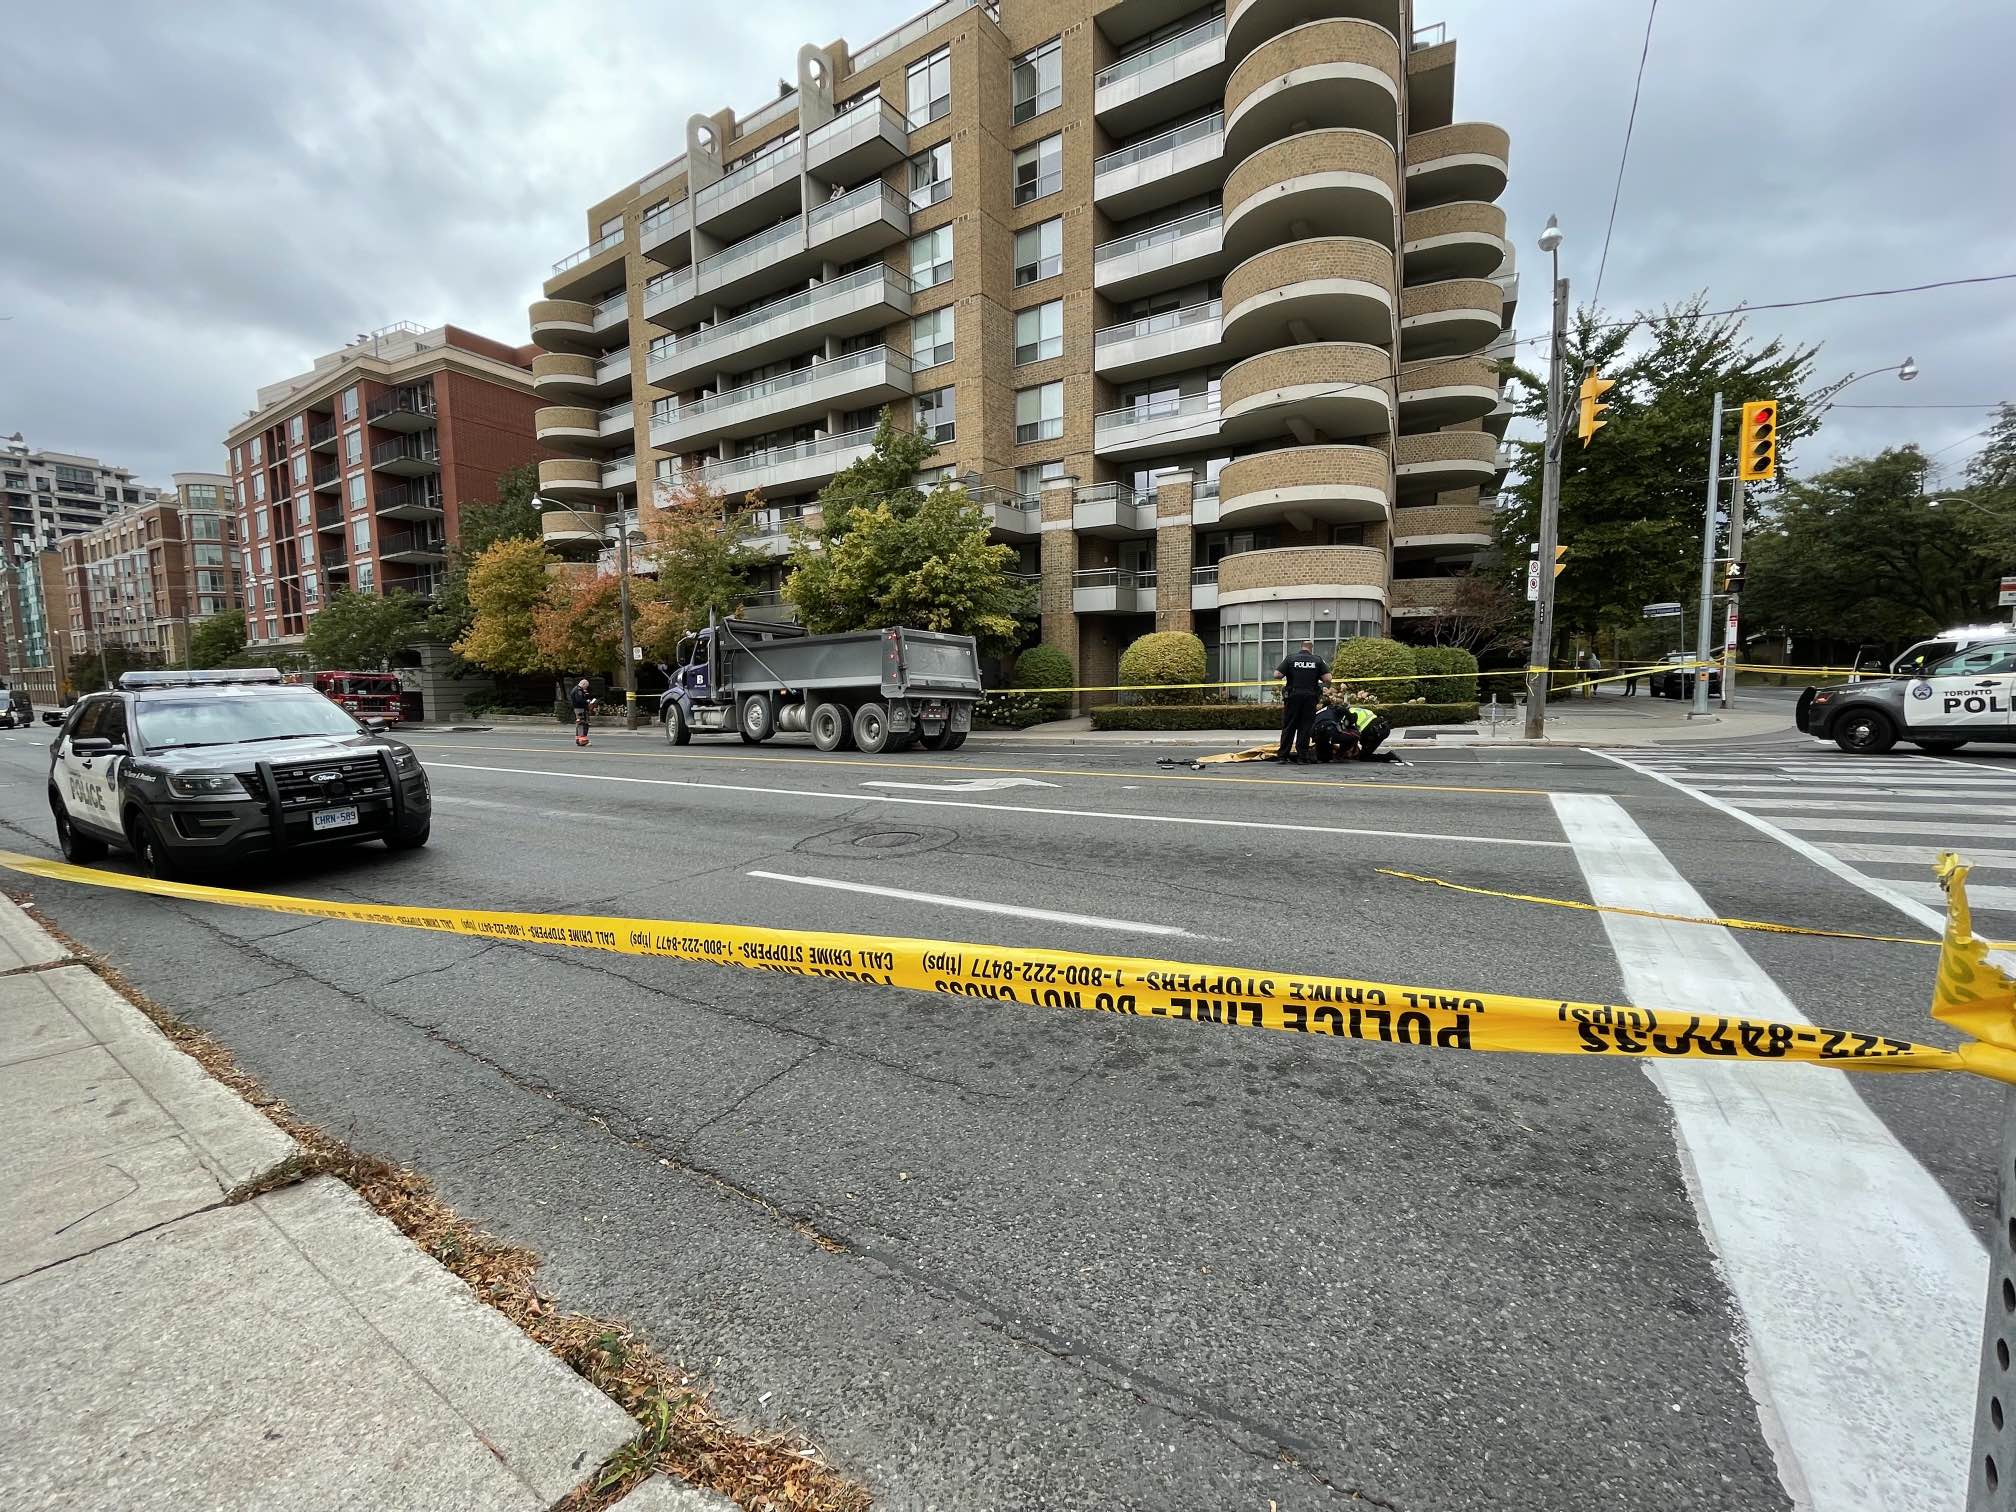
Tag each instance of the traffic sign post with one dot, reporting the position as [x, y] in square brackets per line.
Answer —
[2007, 597]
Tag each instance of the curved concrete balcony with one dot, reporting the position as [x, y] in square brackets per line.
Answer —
[1454, 531]
[567, 427]
[567, 373]
[1177, 74]
[1461, 162]
[1436, 461]
[1332, 288]
[1304, 485]
[1333, 389]
[1321, 74]
[562, 325]
[1465, 239]
[1458, 315]
[571, 532]
[1166, 343]
[1335, 182]
[1250, 23]
[1302, 572]
[571, 478]
[1447, 392]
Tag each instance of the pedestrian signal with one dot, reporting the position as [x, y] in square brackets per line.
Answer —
[1757, 451]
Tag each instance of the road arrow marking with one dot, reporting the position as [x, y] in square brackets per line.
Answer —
[970, 785]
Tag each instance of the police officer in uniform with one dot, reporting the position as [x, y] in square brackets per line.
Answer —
[1303, 675]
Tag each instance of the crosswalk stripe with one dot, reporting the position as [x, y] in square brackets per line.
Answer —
[1984, 899]
[1921, 856]
[1988, 796]
[1879, 806]
[1932, 829]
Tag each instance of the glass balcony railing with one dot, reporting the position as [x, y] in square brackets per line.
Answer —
[614, 305]
[1169, 47]
[1184, 407]
[1113, 577]
[1108, 493]
[1182, 136]
[917, 26]
[737, 467]
[593, 249]
[1169, 320]
[804, 301]
[722, 264]
[1203, 577]
[1156, 236]
[854, 199]
[784, 383]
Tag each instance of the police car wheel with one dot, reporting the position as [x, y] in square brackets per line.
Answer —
[410, 839]
[78, 849]
[1864, 732]
[154, 858]
[1938, 747]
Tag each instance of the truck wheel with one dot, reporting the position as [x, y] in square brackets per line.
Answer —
[758, 720]
[829, 727]
[1938, 747]
[871, 728]
[677, 732]
[954, 740]
[935, 741]
[1864, 732]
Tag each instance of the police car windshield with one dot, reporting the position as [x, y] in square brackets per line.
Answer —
[175, 723]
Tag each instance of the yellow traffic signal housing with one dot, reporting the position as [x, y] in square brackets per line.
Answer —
[1757, 448]
[1593, 390]
[1561, 559]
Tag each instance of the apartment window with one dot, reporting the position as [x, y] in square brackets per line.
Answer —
[928, 88]
[931, 258]
[934, 415]
[349, 407]
[367, 576]
[257, 443]
[307, 545]
[294, 429]
[259, 488]
[237, 460]
[353, 444]
[932, 477]
[357, 493]
[1039, 333]
[931, 338]
[930, 176]
[360, 534]
[1039, 413]
[1039, 169]
[266, 595]
[1030, 481]
[304, 510]
[266, 561]
[247, 557]
[272, 628]
[1347, 535]
[300, 467]
[1039, 252]
[311, 588]
[1039, 81]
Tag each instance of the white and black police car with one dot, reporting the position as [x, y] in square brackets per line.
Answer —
[201, 769]
[1938, 706]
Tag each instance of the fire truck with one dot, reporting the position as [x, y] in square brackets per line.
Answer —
[367, 695]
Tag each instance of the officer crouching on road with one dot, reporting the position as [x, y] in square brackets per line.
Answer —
[1304, 675]
[1348, 731]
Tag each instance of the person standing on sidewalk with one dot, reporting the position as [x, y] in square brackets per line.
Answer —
[582, 704]
[1303, 674]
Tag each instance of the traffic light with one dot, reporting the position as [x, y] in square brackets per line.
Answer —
[1757, 449]
[1560, 560]
[1732, 578]
[1593, 390]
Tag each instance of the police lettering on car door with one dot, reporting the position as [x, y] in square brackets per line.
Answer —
[91, 775]
[1973, 690]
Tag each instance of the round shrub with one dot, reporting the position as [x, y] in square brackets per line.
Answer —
[1448, 674]
[1158, 663]
[1369, 656]
[1038, 667]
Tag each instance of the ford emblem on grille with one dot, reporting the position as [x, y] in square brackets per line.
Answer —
[325, 776]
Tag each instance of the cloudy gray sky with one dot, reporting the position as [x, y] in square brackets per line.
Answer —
[196, 199]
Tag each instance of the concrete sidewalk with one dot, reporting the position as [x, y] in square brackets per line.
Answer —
[164, 1347]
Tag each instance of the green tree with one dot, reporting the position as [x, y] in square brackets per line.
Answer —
[1631, 501]
[579, 627]
[89, 670]
[1990, 496]
[512, 516]
[1854, 556]
[361, 631]
[507, 588]
[695, 542]
[217, 639]
[923, 561]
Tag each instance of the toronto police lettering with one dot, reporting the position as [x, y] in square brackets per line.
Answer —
[1972, 703]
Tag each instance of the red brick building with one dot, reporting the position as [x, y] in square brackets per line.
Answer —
[353, 474]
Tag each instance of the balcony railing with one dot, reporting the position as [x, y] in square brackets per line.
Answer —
[854, 199]
[421, 493]
[915, 27]
[734, 467]
[327, 473]
[856, 115]
[804, 299]
[1155, 236]
[749, 246]
[419, 448]
[1114, 577]
[1148, 57]
[784, 382]
[1168, 320]
[1168, 141]
[321, 433]
[593, 249]
[1102, 493]
[399, 542]
[1203, 577]
[401, 402]
[1428, 36]
[614, 303]
[1187, 406]
[770, 155]
[1208, 489]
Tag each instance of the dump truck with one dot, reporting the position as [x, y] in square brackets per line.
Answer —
[874, 690]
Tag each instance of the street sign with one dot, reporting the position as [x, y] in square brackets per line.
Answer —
[2007, 596]
[1729, 636]
[1533, 581]
[1662, 611]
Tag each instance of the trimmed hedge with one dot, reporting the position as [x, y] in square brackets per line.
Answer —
[1448, 674]
[1257, 716]
[1369, 656]
[1160, 658]
[1013, 709]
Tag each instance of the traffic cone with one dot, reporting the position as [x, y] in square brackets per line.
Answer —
[580, 740]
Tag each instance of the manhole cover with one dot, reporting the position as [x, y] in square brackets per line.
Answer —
[858, 840]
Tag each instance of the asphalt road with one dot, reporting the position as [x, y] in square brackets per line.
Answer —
[996, 1256]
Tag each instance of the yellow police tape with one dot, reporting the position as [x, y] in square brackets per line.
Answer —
[1578, 673]
[1761, 925]
[1971, 993]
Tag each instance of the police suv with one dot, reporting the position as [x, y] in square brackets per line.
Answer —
[1969, 695]
[186, 769]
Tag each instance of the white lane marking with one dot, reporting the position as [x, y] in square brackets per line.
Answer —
[1974, 766]
[1992, 899]
[1943, 826]
[516, 808]
[970, 785]
[1002, 808]
[1858, 1279]
[977, 905]
[1880, 806]
[1986, 795]
[1921, 856]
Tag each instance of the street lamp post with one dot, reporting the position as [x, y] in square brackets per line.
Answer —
[1540, 654]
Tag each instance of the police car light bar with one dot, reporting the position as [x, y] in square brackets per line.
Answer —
[199, 679]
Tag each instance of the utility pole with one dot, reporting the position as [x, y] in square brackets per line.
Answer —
[623, 608]
[1700, 673]
[1541, 651]
[1735, 607]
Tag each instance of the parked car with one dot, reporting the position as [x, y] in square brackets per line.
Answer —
[1677, 680]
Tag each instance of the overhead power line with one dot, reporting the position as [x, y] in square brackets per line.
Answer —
[1624, 155]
